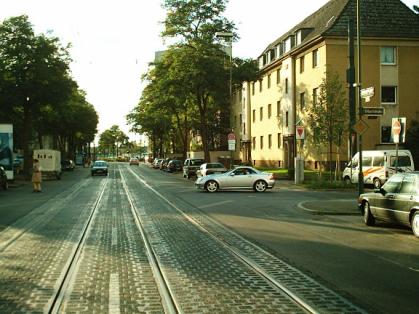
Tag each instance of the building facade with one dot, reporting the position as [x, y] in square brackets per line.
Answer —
[265, 113]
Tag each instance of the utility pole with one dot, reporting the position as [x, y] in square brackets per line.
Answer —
[359, 85]
[350, 78]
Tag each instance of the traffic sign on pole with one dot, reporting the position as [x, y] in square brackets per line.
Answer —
[300, 133]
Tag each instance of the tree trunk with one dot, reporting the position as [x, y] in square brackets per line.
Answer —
[27, 161]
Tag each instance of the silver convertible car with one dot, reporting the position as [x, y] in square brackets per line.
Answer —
[238, 178]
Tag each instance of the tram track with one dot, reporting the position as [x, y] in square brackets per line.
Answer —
[305, 307]
[259, 268]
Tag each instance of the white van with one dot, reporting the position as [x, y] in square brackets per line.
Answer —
[378, 166]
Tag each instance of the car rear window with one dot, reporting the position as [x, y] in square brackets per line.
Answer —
[100, 163]
[215, 165]
[196, 162]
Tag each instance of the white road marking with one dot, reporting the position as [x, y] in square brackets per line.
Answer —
[215, 204]
[114, 236]
[114, 302]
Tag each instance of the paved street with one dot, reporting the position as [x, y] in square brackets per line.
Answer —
[93, 244]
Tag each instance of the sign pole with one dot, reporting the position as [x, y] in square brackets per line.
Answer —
[358, 26]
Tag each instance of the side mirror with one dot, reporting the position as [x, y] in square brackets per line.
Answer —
[232, 174]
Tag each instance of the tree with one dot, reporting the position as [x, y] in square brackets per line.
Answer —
[111, 138]
[327, 118]
[412, 141]
[199, 64]
[416, 9]
[34, 72]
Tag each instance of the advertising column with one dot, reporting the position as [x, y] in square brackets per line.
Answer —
[6, 149]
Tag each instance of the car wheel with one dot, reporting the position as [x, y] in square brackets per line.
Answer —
[211, 186]
[260, 186]
[347, 180]
[377, 183]
[368, 217]
[93, 174]
[415, 224]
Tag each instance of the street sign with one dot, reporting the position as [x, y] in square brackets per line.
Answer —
[231, 139]
[372, 111]
[231, 136]
[300, 132]
[396, 127]
[398, 130]
[360, 127]
[367, 93]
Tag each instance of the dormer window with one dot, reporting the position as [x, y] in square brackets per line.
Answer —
[298, 37]
[272, 55]
[288, 44]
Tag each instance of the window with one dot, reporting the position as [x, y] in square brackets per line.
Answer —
[254, 115]
[286, 86]
[241, 119]
[269, 81]
[260, 113]
[261, 142]
[244, 128]
[393, 184]
[388, 55]
[315, 58]
[298, 39]
[314, 96]
[378, 161]
[254, 143]
[302, 100]
[278, 76]
[278, 108]
[235, 120]
[279, 140]
[388, 94]
[253, 88]
[286, 119]
[270, 141]
[408, 185]
[386, 134]
[302, 64]
[366, 161]
[269, 111]
[260, 85]
[403, 161]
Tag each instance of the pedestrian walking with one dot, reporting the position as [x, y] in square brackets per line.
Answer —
[36, 176]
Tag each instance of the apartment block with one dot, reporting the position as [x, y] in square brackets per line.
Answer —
[292, 68]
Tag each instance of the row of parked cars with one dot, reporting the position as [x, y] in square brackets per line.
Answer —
[214, 176]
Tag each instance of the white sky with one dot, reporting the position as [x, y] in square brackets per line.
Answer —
[113, 41]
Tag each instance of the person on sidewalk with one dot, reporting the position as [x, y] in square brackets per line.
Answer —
[36, 176]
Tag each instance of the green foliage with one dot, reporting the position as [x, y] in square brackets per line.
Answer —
[327, 119]
[37, 93]
[412, 141]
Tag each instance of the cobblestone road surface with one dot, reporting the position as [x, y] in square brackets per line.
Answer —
[113, 274]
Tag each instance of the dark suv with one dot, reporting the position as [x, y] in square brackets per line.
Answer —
[190, 166]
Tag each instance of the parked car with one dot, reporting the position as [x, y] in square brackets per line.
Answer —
[99, 167]
[67, 164]
[238, 178]
[210, 168]
[174, 165]
[190, 166]
[134, 161]
[3, 179]
[156, 163]
[397, 202]
[163, 164]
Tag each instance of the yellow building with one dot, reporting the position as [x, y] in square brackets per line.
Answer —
[265, 113]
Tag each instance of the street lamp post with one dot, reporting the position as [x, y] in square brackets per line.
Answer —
[228, 37]
[358, 22]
